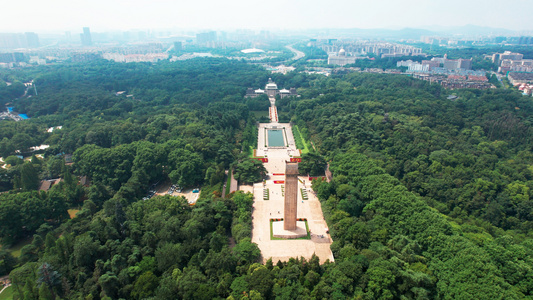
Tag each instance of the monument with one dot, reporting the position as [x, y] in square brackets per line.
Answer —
[271, 90]
[291, 195]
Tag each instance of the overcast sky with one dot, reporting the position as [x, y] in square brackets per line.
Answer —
[100, 15]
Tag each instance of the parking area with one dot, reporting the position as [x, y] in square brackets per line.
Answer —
[167, 188]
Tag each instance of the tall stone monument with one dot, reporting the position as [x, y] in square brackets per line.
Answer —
[291, 195]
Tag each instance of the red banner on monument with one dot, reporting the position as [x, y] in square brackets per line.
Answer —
[262, 159]
[296, 159]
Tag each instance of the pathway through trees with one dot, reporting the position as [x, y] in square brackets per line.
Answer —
[269, 199]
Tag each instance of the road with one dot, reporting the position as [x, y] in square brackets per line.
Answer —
[297, 54]
[225, 180]
[234, 185]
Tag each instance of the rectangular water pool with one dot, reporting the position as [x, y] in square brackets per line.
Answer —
[275, 138]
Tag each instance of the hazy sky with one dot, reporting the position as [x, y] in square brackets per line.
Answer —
[99, 15]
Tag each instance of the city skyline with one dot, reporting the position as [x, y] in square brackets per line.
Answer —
[102, 15]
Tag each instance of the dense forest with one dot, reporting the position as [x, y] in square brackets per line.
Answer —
[430, 198]
[449, 182]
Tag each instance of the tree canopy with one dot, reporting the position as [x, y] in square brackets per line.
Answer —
[430, 198]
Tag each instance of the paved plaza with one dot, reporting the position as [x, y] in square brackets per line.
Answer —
[264, 210]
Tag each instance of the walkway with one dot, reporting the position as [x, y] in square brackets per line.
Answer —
[273, 114]
[224, 186]
[264, 210]
[329, 175]
[234, 185]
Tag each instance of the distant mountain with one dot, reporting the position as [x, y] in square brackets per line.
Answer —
[375, 33]
[470, 30]
[414, 33]
[411, 33]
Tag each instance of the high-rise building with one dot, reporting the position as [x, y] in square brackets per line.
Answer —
[454, 64]
[223, 36]
[11, 40]
[11, 57]
[525, 40]
[178, 46]
[19, 40]
[32, 39]
[499, 57]
[206, 37]
[499, 39]
[86, 39]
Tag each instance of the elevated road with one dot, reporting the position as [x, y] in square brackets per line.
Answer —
[297, 54]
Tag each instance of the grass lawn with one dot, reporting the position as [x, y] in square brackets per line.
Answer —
[7, 294]
[72, 213]
[304, 194]
[207, 191]
[259, 114]
[15, 250]
[251, 152]
[299, 140]
[308, 237]
[267, 194]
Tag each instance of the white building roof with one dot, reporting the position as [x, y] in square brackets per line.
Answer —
[41, 147]
[259, 91]
[271, 86]
[252, 50]
[53, 128]
[285, 91]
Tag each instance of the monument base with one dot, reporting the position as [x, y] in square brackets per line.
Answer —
[279, 232]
